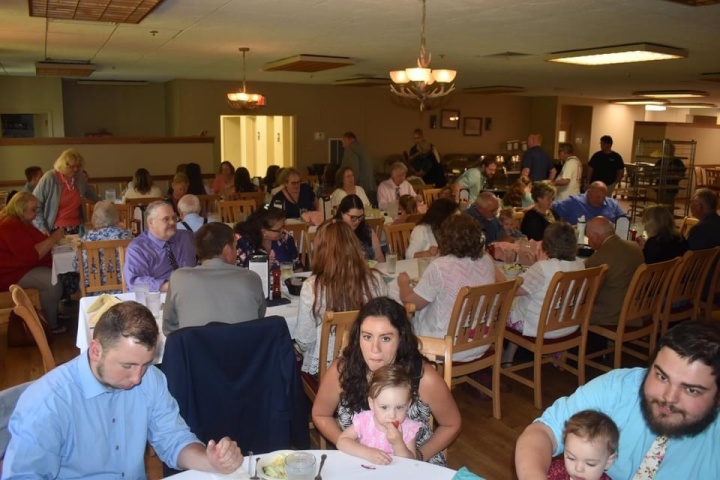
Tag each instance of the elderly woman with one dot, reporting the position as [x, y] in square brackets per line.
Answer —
[461, 263]
[224, 183]
[189, 211]
[263, 233]
[142, 186]
[61, 195]
[243, 182]
[341, 281]
[352, 211]
[537, 219]
[396, 186]
[295, 197]
[382, 335]
[346, 186]
[105, 220]
[663, 242]
[423, 241]
[25, 257]
[560, 245]
[180, 184]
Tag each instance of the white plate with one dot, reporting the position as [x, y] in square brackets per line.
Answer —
[301, 274]
[293, 221]
[267, 459]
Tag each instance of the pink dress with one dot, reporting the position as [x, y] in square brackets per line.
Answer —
[559, 472]
[370, 436]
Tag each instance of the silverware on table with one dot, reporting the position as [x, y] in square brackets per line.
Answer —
[322, 462]
[255, 477]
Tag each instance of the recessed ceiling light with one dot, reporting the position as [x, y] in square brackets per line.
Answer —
[638, 101]
[655, 108]
[636, 52]
[692, 105]
[670, 93]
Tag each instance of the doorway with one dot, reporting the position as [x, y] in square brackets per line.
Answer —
[576, 122]
[257, 141]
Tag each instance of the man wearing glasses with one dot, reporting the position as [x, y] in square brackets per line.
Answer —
[161, 249]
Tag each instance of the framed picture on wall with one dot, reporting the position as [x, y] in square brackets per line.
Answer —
[450, 119]
[488, 124]
[472, 126]
[433, 121]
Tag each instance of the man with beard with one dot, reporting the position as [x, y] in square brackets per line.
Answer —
[93, 416]
[667, 414]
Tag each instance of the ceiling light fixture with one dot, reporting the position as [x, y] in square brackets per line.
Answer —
[692, 105]
[418, 83]
[631, 53]
[243, 100]
[671, 93]
[638, 101]
[655, 108]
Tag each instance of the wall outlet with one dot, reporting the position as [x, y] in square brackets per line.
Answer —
[319, 135]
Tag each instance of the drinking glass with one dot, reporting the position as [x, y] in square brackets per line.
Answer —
[153, 303]
[286, 270]
[111, 195]
[391, 259]
[510, 257]
[141, 290]
[300, 466]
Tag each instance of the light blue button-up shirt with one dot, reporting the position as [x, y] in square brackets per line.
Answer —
[68, 425]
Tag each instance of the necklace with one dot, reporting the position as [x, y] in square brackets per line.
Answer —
[291, 197]
[71, 184]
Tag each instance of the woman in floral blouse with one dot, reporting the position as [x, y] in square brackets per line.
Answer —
[263, 233]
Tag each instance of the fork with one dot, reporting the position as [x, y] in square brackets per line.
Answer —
[322, 462]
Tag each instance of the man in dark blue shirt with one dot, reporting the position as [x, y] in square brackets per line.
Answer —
[536, 164]
[484, 210]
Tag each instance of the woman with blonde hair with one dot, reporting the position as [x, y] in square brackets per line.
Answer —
[142, 186]
[61, 195]
[25, 257]
[663, 240]
[537, 219]
[341, 281]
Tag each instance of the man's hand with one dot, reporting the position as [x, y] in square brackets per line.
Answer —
[403, 279]
[224, 456]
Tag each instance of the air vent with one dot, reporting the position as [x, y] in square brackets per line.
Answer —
[63, 69]
[308, 63]
[116, 11]
[362, 82]
[495, 89]
[696, 3]
[507, 55]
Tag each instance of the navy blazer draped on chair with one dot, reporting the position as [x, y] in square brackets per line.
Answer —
[239, 380]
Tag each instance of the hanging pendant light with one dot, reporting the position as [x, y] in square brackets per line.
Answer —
[243, 100]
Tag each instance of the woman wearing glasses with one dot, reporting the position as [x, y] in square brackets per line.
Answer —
[352, 212]
[295, 197]
[263, 233]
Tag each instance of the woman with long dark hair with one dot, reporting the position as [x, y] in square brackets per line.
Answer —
[142, 186]
[194, 174]
[423, 241]
[242, 180]
[352, 211]
[263, 232]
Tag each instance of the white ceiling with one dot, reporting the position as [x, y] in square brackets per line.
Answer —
[199, 39]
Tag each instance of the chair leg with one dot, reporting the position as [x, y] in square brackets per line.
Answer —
[617, 357]
[496, 390]
[537, 380]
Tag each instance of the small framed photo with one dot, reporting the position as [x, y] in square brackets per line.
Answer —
[472, 126]
[433, 121]
[488, 124]
[450, 119]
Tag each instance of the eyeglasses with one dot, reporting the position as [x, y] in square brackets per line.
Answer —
[170, 219]
[276, 230]
[356, 218]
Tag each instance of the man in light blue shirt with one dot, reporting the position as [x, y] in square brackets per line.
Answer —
[93, 416]
[677, 397]
[593, 203]
[475, 179]
[189, 209]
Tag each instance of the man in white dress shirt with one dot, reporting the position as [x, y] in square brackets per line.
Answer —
[395, 187]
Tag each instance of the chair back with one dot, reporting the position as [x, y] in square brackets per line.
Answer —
[712, 176]
[89, 208]
[297, 230]
[141, 202]
[100, 265]
[233, 211]
[306, 249]
[340, 324]
[398, 237]
[422, 187]
[687, 224]
[414, 218]
[208, 204]
[376, 224]
[439, 351]
[479, 315]
[569, 300]
[257, 197]
[647, 292]
[709, 304]
[430, 195]
[25, 310]
[125, 215]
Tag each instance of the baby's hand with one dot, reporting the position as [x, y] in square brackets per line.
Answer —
[394, 432]
[377, 457]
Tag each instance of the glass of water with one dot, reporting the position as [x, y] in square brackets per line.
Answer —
[300, 466]
[141, 290]
[391, 259]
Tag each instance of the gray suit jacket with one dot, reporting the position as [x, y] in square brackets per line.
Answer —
[358, 158]
[622, 257]
[212, 292]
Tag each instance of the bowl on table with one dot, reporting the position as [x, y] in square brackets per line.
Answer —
[294, 285]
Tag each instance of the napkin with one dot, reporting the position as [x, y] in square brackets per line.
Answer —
[465, 474]
[100, 306]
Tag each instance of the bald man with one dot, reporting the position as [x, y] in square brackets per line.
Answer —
[485, 210]
[622, 257]
[536, 164]
[593, 203]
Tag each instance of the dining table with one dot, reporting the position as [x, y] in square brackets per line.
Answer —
[288, 311]
[338, 466]
[63, 255]
[409, 266]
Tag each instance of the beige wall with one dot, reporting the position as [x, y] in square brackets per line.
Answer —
[706, 136]
[38, 95]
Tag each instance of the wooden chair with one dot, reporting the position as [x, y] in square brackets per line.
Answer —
[376, 224]
[141, 203]
[257, 197]
[25, 310]
[100, 265]
[519, 215]
[89, 208]
[414, 218]
[297, 230]
[126, 215]
[7, 304]
[306, 252]
[419, 189]
[568, 303]
[712, 176]
[687, 224]
[684, 293]
[478, 320]
[339, 324]
[430, 195]
[208, 204]
[709, 305]
[439, 351]
[398, 238]
[642, 304]
[232, 211]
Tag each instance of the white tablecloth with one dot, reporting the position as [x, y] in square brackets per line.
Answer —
[63, 257]
[84, 331]
[340, 466]
[409, 266]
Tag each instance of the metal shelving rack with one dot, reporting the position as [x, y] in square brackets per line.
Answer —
[656, 176]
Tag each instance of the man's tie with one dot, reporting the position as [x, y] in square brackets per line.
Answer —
[397, 193]
[653, 459]
[171, 256]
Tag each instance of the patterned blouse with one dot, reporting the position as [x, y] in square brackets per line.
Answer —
[283, 250]
[105, 233]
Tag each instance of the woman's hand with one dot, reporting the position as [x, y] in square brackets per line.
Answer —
[57, 235]
[433, 251]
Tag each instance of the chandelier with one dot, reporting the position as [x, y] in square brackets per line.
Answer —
[243, 100]
[422, 83]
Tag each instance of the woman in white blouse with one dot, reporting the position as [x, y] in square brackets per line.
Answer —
[345, 181]
[142, 186]
[341, 281]
[422, 238]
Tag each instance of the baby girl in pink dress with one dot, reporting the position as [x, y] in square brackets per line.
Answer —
[384, 430]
